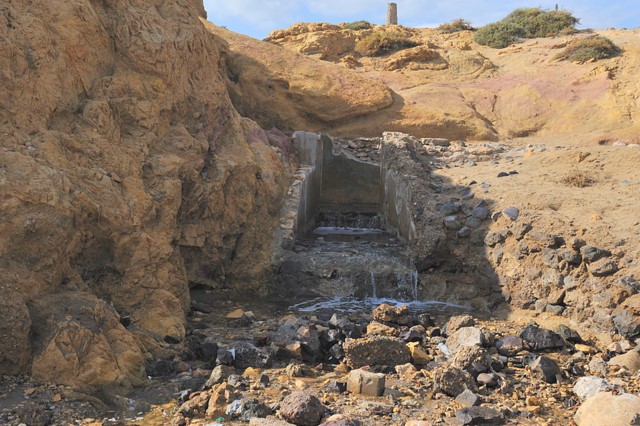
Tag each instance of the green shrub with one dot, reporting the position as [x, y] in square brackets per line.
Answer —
[358, 25]
[498, 34]
[456, 26]
[382, 43]
[595, 48]
[525, 23]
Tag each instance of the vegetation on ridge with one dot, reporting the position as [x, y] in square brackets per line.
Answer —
[381, 43]
[358, 25]
[455, 26]
[525, 23]
[592, 48]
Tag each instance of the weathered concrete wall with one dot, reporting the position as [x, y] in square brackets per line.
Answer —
[310, 153]
[396, 203]
[396, 206]
[349, 185]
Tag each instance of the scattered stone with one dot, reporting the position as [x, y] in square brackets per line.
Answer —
[451, 222]
[302, 409]
[298, 370]
[626, 319]
[366, 383]
[464, 232]
[592, 254]
[406, 370]
[335, 387]
[453, 381]
[456, 323]
[479, 416]
[509, 345]
[588, 386]
[630, 361]
[598, 366]
[496, 237]
[540, 338]
[568, 334]
[473, 359]
[491, 380]
[511, 213]
[414, 334]
[546, 369]
[480, 213]
[237, 314]
[418, 355]
[465, 336]
[468, 399]
[219, 374]
[341, 420]
[520, 229]
[224, 357]
[223, 394]
[376, 350]
[603, 268]
[250, 408]
[619, 347]
[388, 313]
[249, 355]
[608, 409]
[447, 208]
[379, 329]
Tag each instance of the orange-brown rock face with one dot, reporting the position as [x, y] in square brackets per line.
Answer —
[125, 175]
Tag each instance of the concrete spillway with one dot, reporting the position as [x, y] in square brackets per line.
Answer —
[344, 228]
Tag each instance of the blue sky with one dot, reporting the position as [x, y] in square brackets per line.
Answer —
[257, 18]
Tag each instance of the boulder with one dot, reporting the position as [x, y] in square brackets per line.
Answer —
[588, 386]
[453, 381]
[302, 409]
[392, 314]
[465, 336]
[418, 355]
[457, 322]
[366, 383]
[376, 350]
[509, 345]
[472, 359]
[541, 339]
[468, 399]
[219, 374]
[593, 254]
[379, 329]
[603, 268]
[608, 409]
[546, 369]
[630, 361]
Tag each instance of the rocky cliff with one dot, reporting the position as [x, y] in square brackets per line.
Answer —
[126, 175]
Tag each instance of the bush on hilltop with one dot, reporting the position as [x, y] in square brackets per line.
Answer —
[525, 23]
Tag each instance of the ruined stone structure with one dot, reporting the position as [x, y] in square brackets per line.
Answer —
[392, 14]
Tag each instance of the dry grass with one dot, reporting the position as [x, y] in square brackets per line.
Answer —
[578, 179]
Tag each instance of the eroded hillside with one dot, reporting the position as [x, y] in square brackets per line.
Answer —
[447, 85]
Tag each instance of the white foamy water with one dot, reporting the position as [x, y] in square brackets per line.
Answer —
[351, 304]
[335, 230]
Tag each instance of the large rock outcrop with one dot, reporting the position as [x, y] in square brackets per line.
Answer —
[125, 175]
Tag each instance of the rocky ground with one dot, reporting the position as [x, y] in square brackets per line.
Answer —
[389, 367]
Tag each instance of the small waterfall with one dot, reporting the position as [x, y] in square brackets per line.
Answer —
[414, 282]
[373, 284]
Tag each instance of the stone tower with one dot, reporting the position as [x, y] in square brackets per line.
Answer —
[392, 14]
